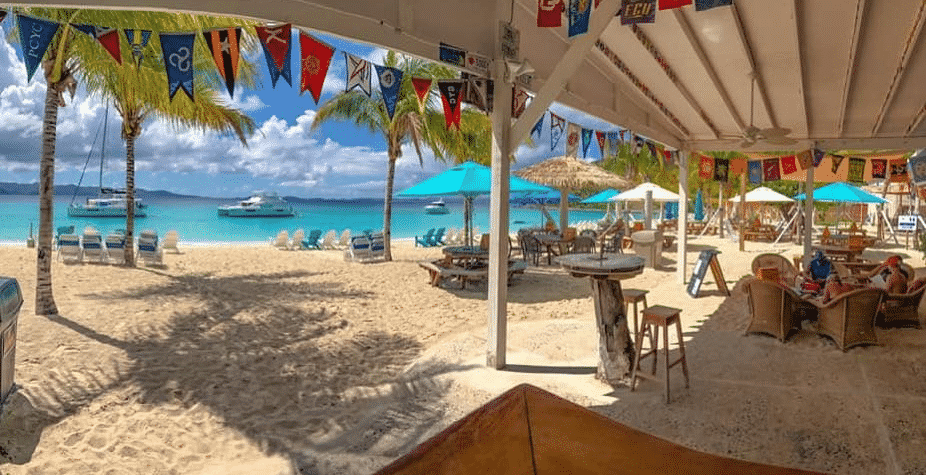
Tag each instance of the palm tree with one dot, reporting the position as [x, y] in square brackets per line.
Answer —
[410, 123]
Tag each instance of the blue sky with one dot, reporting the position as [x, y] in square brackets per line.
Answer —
[338, 160]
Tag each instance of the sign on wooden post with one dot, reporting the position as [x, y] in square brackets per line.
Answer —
[707, 258]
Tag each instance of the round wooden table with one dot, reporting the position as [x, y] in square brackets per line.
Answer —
[466, 255]
[615, 347]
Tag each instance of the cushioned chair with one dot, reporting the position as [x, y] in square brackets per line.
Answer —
[901, 309]
[849, 319]
[773, 308]
[786, 270]
[583, 244]
[358, 250]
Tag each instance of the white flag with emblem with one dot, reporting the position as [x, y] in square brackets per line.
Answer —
[359, 72]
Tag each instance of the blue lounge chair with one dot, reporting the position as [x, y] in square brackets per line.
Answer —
[378, 246]
[148, 251]
[69, 249]
[358, 250]
[92, 245]
[115, 247]
[312, 240]
[61, 231]
[425, 241]
[438, 238]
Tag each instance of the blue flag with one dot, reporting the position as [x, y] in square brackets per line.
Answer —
[390, 81]
[614, 142]
[178, 61]
[579, 12]
[557, 127]
[701, 5]
[818, 157]
[586, 140]
[538, 126]
[755, 172]
[34, 36]
[452, 55]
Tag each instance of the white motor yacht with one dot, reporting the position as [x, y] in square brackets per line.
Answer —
[437, 207]
[260, 205]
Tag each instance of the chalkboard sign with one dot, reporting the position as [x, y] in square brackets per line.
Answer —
[707, 258]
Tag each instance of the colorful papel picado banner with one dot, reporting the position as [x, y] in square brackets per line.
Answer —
[770, 169]
[315, 58]
[879, 168]
[579, 13]
[178, 60]
[223, 44]
[856, 169]
[390, 82]
[755, 172]
[359, 73]
[550, 13]
[34, 36]
[557, 128]
[276, 42]
[107, 37]
[137, 39]
[451, 91]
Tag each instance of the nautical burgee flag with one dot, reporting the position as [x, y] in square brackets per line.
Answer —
[856, 169]
[579, 13]
[138, 39]
[550, 13]
[771, 170]
[572, 139]
[107, 37]
[315, 59]
[450, 92]
[614, 142]
[818, 157]
[519, 98]
[805, 159]
[422, 88]
[34, 36]
[359, 72]
[557, 127]
[390, 81]
[223, 44]
[276, 42]
[601, 137]
[178, 61]
[755, 172]
[721, 170]
[538, 127]
[788, 164]
[586, 140]
[837, 160]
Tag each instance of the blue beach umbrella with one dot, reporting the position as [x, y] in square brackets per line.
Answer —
[699, 207]
[842, 193]
[603, 197]
[469, 180]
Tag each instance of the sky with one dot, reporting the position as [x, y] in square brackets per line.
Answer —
[338, 160]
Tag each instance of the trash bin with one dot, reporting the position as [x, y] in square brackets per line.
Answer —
[11, 300]
[648, 245]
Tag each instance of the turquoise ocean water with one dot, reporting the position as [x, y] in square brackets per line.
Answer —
[196, 220]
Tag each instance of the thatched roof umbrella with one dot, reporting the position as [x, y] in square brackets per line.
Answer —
[567, 174]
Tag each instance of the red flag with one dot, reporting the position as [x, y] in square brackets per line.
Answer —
[550, 13]
[706, 170]
[670, 4]
[600, 136]
[275, 40]
[519, 99]
[422, 87]
[316, 57]
[788, 164]
[878, 168]
[110, 41]
[770, 169]
[450, 91]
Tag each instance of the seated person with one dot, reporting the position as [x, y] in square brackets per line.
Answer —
[820, 268]
[890, 276]
[834, 287]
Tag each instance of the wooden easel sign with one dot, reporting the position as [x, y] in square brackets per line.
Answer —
[708, 258]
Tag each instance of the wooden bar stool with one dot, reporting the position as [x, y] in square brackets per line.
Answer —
[653, 318]
[632, 296]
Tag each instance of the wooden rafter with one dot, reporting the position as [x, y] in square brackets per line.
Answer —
[905, 55]
[795, 30]
[747, 53]
[850, 67]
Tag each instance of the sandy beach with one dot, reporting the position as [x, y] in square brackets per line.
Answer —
[248, 359]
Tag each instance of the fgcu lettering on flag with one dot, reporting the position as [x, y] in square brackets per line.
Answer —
[223, 44]
[579, 13]
[601, 137]
[557, 127]
[519, 98]
[755, 172]
[586, 141]
[856, 169]
[450, 92]
[34, 36]
[359, 72]
[701, 5]
[452, 55]
[107, 37]
[638, 11]
[315, 60]
[538, 127]
[138, 39]
[390, 81]
[572, 140]
[276, 43]
[614, 142]
[178, 60]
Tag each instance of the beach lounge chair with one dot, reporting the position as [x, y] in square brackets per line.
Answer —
[69, 249]
[425, 241]
[92, 245]
[344, 241]
[150, 234]
[281, 241]
[148, 251]
[378, 246]
[311, 242]
[849, 319]
[296, 243]
[438, 238]
[358, 250]
[170, 241]
[115, 248]
[328, 240]
[62, 230]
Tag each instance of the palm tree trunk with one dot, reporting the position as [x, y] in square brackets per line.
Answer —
[129, 199]
[44, 299]
[387, 206]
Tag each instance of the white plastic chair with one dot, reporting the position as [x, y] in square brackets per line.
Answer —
[296, 242]
[170, 241]
[344, 241]
[148, 251]
[281, 241]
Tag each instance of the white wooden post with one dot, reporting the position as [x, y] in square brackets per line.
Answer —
[682, 259]
[808, 216]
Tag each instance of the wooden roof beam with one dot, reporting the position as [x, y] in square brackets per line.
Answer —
[747, 53]
[850, 68]
[914, 34]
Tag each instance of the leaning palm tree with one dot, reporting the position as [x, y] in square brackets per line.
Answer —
[422, 126]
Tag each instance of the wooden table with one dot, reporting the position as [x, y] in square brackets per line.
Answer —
[839, 253]
[466, 255]
[549, 241]
[615, 347]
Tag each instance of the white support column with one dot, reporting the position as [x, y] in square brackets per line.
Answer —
[498, 241]
[808, 216]
[682, 259]
[563, 210]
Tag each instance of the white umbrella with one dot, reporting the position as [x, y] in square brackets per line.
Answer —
[638, 193]
[763, 194]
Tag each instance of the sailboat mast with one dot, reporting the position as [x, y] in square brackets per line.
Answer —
[103, 147]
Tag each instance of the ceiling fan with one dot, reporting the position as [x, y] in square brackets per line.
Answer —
[753, 134]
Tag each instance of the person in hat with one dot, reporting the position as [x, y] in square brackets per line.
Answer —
[890, 276]
[820, 268]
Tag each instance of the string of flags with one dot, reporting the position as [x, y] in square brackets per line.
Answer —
[774, 168]
[577, 12]
[609, 142]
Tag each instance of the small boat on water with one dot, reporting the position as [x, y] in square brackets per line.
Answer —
[110, 203]
[259, 205]
[437, 207]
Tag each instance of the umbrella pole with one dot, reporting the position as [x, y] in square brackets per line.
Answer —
[563, 210]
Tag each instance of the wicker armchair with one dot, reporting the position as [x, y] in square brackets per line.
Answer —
[786, 270]
[849, 319]
[901, 309]
[773, 308]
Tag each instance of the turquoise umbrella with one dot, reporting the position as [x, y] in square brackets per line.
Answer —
[603, 197]
[699, 207]
[842, 193]
[469, 180]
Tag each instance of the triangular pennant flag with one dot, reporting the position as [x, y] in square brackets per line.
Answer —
[422, 88]
[138, 39]
[805, 159]
[3, 13]
[899, 170]
[276, 42]
[572, 140]
[519, 98]
[557, 127]
[223, 44]
[586, 141]
[669, 156]
[879, 168]
[721, 169]
[107, 37]
[837, 160]
[359, 72]
[670, 4]
[638, 144]
[390, 82]
[34, 36]
[651, 148]
[538, 127]
[601, 137]
[755, 172]
[788, 164]
[614, 143]
[771, 170]
[579, 13]
[706, 167]
[818, 157]
[701, 5]
[478, 91]
[550, 13]
[315, 57]
[451, 91]
[638, 11]
[856, 169]
[738, 166]
[178, 61]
